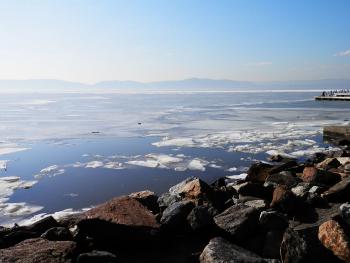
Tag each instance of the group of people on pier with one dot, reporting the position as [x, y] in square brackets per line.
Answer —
[336, 93]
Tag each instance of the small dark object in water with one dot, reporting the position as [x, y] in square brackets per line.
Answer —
[95, 132]
[139, 123]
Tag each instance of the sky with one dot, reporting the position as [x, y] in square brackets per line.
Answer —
[153, 40]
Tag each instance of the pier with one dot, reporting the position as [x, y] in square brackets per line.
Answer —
[343, 95]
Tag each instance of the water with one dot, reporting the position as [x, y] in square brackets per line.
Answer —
[76, 150]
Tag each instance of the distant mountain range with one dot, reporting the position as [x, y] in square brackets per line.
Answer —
[187, 84]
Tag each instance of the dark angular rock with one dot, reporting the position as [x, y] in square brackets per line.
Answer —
[238, 221]
[258, 172]
[42, 225]
[339, 192]
[167, 199]
[220, 250]
[16, 235]
[273, 220]
[96, 256]
[175, 215]
[272, 244]
[200, 218]
[58, 234]
[39, 250]
[282, 178]
[255, 190]
[148, 199]
[328, 163]
[284, 167]
[302, 245]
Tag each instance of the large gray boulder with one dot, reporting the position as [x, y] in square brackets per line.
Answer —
[220, 250]
[239, 221]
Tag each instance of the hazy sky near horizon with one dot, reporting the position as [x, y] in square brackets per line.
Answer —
[151, 40]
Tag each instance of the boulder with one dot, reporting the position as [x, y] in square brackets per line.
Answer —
[192, 189]
[282, 178]
[328, 163]
[253, 189]
[97, 256]
[301, 190]
[220, 250]
[333, 236]
[57, 234]
[239, 221]
[287, 166]
[284, 200]
[302, 245]
[167, 199]
[272, 244]
[175, 215]
[259, 204]
[148, 199]
[200, 218]
[42, 225]
[345, 211]
[258, 172]
[339, 192]
[273, 220]
[123, 217]
[15, 235]
[313, 175]
[39, 250]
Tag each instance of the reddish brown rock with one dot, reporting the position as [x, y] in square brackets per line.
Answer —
[39, 250]
[123, 211]
[313, 175]
[332, 236]
[309, 174]
[123, 219]
[284, 200]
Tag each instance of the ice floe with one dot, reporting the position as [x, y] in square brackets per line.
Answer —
[8, 185]
[3, 164]
[50, 171]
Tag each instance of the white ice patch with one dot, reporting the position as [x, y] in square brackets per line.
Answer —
[57, 215]
[8, 185]
[94, 164]
[197, 164]
[50, 171]
[3, 164]
[18, 209]
[11, 148]
[178, 162]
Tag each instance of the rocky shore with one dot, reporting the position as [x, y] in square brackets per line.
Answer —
[283, 211]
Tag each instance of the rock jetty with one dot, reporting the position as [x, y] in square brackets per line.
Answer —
[284, 211]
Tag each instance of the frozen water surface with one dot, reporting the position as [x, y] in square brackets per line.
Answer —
[63, 152]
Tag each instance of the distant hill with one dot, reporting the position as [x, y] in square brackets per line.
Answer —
[187, 84]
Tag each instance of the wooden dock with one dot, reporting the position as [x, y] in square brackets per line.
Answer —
[347, 98]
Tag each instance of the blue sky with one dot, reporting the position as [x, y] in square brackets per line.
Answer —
[150, 40]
